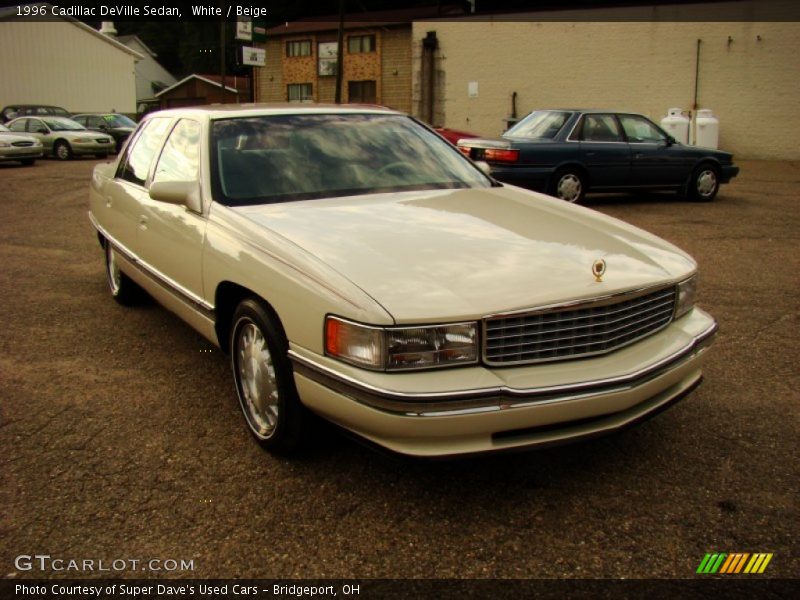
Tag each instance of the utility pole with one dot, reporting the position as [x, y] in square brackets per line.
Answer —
[222, 52]
[340, 54]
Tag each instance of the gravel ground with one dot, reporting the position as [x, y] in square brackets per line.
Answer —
[121, 437]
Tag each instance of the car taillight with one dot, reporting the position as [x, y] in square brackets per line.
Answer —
[465, 150]
[501, 155]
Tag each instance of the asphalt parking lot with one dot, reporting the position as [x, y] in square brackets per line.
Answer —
[121, 437]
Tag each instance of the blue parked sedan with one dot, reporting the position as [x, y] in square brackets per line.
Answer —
[568, 153]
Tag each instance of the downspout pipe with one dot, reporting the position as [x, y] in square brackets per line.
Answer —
[429, 45]
[696, 87]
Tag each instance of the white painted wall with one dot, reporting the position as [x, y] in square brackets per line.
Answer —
[148, 70]
[61, 63]
[750, 82]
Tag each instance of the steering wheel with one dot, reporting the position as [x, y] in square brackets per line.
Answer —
[399, 167]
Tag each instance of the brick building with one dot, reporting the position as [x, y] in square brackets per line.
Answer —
[301, 60]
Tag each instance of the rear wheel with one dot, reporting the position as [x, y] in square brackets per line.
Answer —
[569, 185]
[28, 161]
[62, 150]
[704, 183]
[123, 289]
[101, 156]
[263, 377]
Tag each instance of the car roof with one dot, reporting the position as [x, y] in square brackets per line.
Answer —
[226, 111]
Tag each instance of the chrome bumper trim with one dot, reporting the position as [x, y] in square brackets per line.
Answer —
[463, 402]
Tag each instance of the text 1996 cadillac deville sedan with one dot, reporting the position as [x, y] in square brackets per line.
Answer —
[355, 265]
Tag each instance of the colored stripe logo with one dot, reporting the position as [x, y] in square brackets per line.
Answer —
[733, 563]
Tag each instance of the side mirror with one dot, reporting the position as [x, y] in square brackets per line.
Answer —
[484, 167]
[42, 130]
[185, 193]
[670, 140]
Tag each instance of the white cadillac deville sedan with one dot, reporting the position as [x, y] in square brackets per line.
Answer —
[355, 265]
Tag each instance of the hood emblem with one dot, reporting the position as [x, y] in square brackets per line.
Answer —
[598, 269]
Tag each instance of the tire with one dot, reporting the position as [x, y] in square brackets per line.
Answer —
[28, 161]
[101, 156]
[262, 373]
[122, 288]
[704, 183]
[569, 185]
[62, 150]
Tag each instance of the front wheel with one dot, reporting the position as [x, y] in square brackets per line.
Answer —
[62, 150]
[704, 184]
[263, 376]
[569, 185]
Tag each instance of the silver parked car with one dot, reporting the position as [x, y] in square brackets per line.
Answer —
[62, 137]
[23, 148]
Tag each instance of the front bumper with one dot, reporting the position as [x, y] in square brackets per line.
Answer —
[25, 152]
[476, 409]
[93, 147]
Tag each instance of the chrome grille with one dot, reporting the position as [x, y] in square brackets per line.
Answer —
[22, 144]
[588, 328]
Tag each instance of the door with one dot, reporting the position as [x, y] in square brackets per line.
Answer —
[604, 152]
[38, 129]
[171, 236]
[655, 162]
[121, 211]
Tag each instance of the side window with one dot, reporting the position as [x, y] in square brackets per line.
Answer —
[93, 122]
[180, 159]
[19, 125]
[35, 126]
[600, 128]
[140, 153]
[639, 130]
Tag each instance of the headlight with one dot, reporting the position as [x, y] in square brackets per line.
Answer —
[83, 140]
[401, 348]
[687, 291]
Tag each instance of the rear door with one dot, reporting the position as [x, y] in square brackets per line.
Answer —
[604, 151]
[125, 195]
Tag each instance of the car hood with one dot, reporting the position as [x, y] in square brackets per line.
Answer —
[10, 137]
[462, 254]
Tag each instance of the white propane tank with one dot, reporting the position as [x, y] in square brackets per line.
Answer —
[707, 125]
[677, 125]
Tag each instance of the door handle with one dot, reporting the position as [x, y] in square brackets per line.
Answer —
[591, 153]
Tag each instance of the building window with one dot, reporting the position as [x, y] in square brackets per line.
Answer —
[298, 48]
[362, 92]
[299, 92]
[327, 53]
[360, 43]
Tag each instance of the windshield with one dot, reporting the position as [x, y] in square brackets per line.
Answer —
[280, 158]
[119, 121]
[62, 124]
[539, 124]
